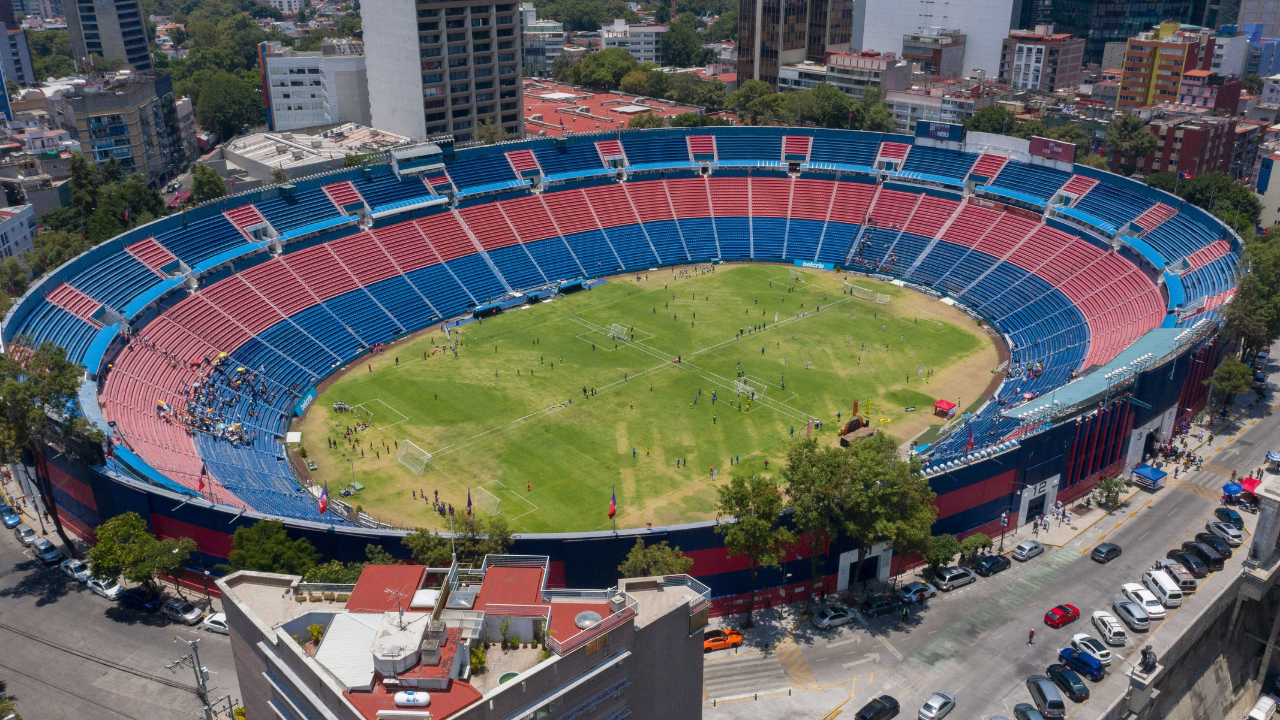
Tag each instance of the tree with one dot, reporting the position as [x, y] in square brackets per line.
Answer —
[603, 69]
[940, 551]
[693, 119]
[206, 184]
[1252, 84]
[754, 503]
[477, 537]
[724, 28]
[995, 119]
[813, 489]
[1253, 315]
[13, 88]
[876, 115]
[1129, 140]
[1229, 379]
[491, 133]
[8, 708]
[645, 120]
[429, 548]
[974, 544]
[680, 44]
[334, 572]
[685, 88]
[378, 555]
[125, 548]
[227, 104]
[1110, 490]
[39, 389]
[660, 559]
[265, 547]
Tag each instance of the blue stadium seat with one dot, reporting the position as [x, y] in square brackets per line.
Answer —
[936, 161]
[201, 239]
[665, 237]
[481, 170]
[769, 236]
[385, 189]
[644, 150]
[699, 236]
[1036, 180]
[517, 267]
[1113, 204]
[116, 280]
[836, 241]
[742, 147]
[568, 158]
[802, 239]
[50, 322]
[303, 208]
[594, 253]
[735, 237]
[844, 152]
[477, 276]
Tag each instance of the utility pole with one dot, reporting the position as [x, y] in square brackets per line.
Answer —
[192, 660]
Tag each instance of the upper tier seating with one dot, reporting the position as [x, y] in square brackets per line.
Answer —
[569, 158]
[1113, 204]
[845, 152]
[1037, 180]
[642, 150]
[386, 189]
[480, 170]
[116, 280]
[935, 161]
[303, 208]
[202, 239]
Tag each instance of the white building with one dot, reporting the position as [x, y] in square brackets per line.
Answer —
[881, 24]
[543, 41]
[286, 6]
[849, 73]
[17, 230]
[642, 40]
[1229, 55]
[316, 88]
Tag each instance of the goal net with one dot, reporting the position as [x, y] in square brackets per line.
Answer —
[413, 457]
[486, 502]
[618, 332]
[882, 299]
[861, 292]
[744, 387]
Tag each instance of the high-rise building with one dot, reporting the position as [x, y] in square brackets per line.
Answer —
[1230, 52]
[306, 89]
[773, 33]
[542, 42]
[985, 24]
[937, 51]
[1099, 22]
[1260, 12]
[16, 62]
[443, 67]
[1156, 61]
[1195, 145]
[131, 119]
[1041, 60]
[642, 40]
[113, 29]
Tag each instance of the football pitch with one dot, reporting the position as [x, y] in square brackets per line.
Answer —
[669, 363]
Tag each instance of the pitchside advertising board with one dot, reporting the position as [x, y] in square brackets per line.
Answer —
[1053, 149]
[815, 265]
[304, 402]
[939, 131]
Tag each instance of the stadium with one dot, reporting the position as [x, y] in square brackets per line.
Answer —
[208, 335]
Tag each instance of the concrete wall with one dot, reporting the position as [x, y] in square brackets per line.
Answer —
[393, 68]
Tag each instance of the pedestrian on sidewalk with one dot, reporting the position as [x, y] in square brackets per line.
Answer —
[906, 612]
[1031, 637]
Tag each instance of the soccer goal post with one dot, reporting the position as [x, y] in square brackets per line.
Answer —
[882, 299]
[413, 457]
[744, 387]
[617, 331]
[861, 292]
[487, 502]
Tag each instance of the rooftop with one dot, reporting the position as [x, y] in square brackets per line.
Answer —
[554, 109]
[287, 150]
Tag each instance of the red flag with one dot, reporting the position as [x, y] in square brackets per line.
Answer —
[468, 502]
[613, 505]
[204, 471]
[970, 436]
[324, 499]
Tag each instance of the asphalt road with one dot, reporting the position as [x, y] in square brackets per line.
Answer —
[972, 642]
[67, 653]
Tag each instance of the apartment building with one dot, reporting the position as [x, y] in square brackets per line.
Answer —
[1155, 62]
[985, 23]
[1189, 144]
[948, 104]
[1041, 60]
[443, 67]
[1230, 52]
[936, 51]
[17, 230]
[1207, 89]
[287, 7]
[398, 644]
[642, 40]
[542, 42]
[112, 29]
[127, 118]
[772, 34]
[306, 89]
[849, 73]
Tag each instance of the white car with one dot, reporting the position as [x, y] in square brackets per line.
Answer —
[1091, 645]
[834, 616]
[1145, 598]
[109, 589]
[1232, 536]
[938, 706]
[182, 611]
[216, 623]
[76, 570]
[1109, 628]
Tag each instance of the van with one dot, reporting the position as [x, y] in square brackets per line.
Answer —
[1264, 709]
[1046, 697]
[1180, 575]
[1163, 587]
[1207, 555]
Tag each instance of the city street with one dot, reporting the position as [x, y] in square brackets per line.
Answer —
[67, 653]
[973, 641]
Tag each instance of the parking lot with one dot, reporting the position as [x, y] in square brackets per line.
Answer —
[68, 653]
[972, 642]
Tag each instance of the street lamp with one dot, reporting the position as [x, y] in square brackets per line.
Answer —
[1004, 523]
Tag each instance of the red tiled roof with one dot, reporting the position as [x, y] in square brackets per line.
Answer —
[510, 586]
[371, 591]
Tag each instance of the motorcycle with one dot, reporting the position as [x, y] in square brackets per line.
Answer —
[1248, 507]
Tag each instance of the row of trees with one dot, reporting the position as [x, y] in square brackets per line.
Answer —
[1001, 121]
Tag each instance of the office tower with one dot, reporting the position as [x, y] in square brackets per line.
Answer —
[442, 67]
[985, 24]
[323, 87]
[937, 51]
[113, 29]
[772, 33]
[1100, 22]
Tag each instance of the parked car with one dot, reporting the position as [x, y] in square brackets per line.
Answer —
[1109, 628]
[216, 623]
[833, 616]
[1026, 711]
[878, 605]
[1091, 645]
[1083, 663]
[914, 592]
[991, 564]
[1068, 682]
[77, 570]
[182, 611]
[881, 708]
[1131, 613]
[720, 640]
[1230, 517]
[25, 534]
[108, 588]
[1264, 709]
[950, 578]
[10, 516]
[1026, 550]
[1226, 531]
[1215, 542]
[1143, 597]
[1046, 697]
[139, 599]
[1180, 574]
[937, 706]
[1105, 553]
[1061, 615]
[48, 553]
[1207, 555]
[1193, 564]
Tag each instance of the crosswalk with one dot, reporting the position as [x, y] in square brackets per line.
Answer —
[732, 676]
[795, 666]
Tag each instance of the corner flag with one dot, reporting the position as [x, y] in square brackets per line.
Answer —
[613, 504]
[468, 502]
[324, 499]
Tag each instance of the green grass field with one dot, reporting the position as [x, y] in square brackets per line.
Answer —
[499, 415]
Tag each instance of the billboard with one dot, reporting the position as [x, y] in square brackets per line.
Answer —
[1053, 149]
[939, 131]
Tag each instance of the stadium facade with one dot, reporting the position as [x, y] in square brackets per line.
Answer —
[1103, 290]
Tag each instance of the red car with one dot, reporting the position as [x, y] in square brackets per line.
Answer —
[1061, 615]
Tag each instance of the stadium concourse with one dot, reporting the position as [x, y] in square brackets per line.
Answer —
[217, 323]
